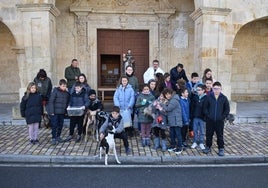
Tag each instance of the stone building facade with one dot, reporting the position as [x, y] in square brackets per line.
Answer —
[230, 37]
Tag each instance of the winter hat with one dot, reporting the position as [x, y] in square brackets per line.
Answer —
[91, 92]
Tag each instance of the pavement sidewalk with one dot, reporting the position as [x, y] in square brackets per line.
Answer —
[244, 143]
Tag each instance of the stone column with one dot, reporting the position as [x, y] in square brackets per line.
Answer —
[163, 39]
[39, 34]
[210, 44]
[83, 49]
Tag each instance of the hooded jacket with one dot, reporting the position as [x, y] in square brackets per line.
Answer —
[216, 109]
[173, 109]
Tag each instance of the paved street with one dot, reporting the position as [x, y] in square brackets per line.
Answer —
[133, 177]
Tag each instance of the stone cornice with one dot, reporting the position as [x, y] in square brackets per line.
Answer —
[82, 11]
[34, 7]
[18, 50]
[210, 11]
[83, 8]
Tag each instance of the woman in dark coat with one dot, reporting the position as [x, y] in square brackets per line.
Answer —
[31, 109]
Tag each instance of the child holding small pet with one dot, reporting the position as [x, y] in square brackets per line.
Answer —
[160, 123]
[143, 101]
[31, 109]
[116, 120]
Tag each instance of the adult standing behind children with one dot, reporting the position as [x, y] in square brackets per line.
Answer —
[207, 74]
[151, 71]
[31, 109]
[216, 109]
[125, 99]
[132, 79]
[56, 109]
[44, 85]
[177, 73]
[79, 98]
[71, 74]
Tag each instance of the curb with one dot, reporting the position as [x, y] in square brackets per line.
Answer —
[136, 160]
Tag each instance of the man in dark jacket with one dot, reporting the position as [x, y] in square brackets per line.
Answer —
[177, 73]
[56, 109]
[71, 74]
[216, 109]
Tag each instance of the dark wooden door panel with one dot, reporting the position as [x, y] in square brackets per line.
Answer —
[117, 42]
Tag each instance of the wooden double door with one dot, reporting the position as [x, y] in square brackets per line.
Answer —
[111, 44]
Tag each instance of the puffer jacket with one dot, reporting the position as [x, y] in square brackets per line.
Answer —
[143, 101]
[197, 106]
[44, 87]
[173, 110]
[58, 101]
[79, 99]
[185, 110]
[124, 97]
[31, 108]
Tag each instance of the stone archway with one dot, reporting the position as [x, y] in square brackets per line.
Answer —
[249, 78]
[9, 71]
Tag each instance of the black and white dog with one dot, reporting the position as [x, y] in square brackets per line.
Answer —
[108, 144]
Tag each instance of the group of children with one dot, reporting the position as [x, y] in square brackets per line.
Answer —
[195, 106]
[192, 105]
[32, 109]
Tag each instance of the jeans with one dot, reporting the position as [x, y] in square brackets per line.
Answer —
[184, 131]
[199, 130]
[175, 132]
[211, 127]
[157, 131]
[57, 124]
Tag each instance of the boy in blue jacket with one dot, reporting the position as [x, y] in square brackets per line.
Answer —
[185, 111]
[216, 109]
[79, 98]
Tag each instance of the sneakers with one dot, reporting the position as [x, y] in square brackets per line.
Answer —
[202, 146]
[194, 145]
[78, 139]
[207, 150]
[53, 141]
[178, 151]
[59, 139]
[185, 144]
[171, 149]
[68, 138]
[128, 150]
[32, 141]
[221, 152]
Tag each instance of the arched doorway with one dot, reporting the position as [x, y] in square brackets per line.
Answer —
[9, 71]
[250, 63]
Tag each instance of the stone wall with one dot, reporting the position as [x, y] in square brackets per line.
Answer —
[10, 80]
[198, 33]
[250, 63]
